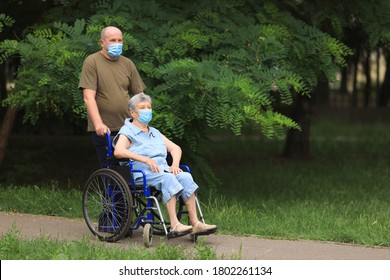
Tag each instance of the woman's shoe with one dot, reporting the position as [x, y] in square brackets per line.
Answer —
[203, 229]
[179, 230]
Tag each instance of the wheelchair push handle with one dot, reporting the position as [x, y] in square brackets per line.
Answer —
[110, 151]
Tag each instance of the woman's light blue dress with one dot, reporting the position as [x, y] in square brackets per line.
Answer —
[153, 146]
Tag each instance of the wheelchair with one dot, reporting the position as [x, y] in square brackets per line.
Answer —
[114, 205]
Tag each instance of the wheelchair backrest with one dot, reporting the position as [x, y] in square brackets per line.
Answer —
[114, 163]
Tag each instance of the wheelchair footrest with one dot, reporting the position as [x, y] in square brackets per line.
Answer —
[205, 232]
[174, 234]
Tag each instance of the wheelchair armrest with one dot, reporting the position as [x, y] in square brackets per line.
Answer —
[182, 166]
[185, 168]
[113, 158]
[113, 161]
[143, 177]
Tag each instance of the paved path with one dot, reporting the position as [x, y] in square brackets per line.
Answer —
[228, 247]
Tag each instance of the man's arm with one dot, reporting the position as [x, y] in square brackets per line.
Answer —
[93, 112]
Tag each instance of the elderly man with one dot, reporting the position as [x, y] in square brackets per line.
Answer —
[107, 81]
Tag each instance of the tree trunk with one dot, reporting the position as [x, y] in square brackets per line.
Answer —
[378, 65]
[344, 80]
[5, 131]
[321, 95]
[297, 142]
[385, 90]
[367, 72]
[3, 82]
[355, 77]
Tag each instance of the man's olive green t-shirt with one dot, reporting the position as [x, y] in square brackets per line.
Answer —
[113, 81]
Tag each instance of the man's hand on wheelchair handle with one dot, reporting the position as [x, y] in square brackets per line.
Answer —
[101, 129]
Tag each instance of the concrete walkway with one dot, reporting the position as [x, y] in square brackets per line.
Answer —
[227, 247]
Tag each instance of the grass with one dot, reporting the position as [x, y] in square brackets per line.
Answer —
[43, 200]
[340, 194]
[13, 247]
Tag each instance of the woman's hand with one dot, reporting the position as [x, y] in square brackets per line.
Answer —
[152, 165]
[174, 169]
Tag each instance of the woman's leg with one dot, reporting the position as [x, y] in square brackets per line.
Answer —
[188, 196]
[191, 208]
[171, 189]
[171, 208]
[177, 228]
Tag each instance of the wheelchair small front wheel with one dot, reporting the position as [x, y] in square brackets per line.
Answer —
[148, 235]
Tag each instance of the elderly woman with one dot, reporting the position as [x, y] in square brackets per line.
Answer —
[148, 148]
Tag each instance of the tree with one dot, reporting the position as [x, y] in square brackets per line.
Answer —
[11, 112]
[216, 64]
[361, 25]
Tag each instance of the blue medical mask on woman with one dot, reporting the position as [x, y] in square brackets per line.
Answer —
[114, 50]
[145, 115]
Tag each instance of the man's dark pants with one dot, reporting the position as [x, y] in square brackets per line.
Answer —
[100, 143]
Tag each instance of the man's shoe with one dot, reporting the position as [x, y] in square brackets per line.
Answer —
[203, 229]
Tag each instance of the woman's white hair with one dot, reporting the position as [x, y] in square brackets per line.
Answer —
[140, 97]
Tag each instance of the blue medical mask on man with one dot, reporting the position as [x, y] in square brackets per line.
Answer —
[145, 115]
[114, 50]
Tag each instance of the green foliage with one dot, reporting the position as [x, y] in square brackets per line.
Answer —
[305, 46]
[199, 64]
[375, 21]
[5, 20]
[202, 65]
[47, 80]
[359, 23]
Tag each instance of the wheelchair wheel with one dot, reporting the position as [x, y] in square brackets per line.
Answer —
[107, 205]
[148, 235]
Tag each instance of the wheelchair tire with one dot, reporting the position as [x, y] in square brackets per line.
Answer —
[148, 235]
[107, 205]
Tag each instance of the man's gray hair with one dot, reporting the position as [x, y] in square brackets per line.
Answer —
[140, 97]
